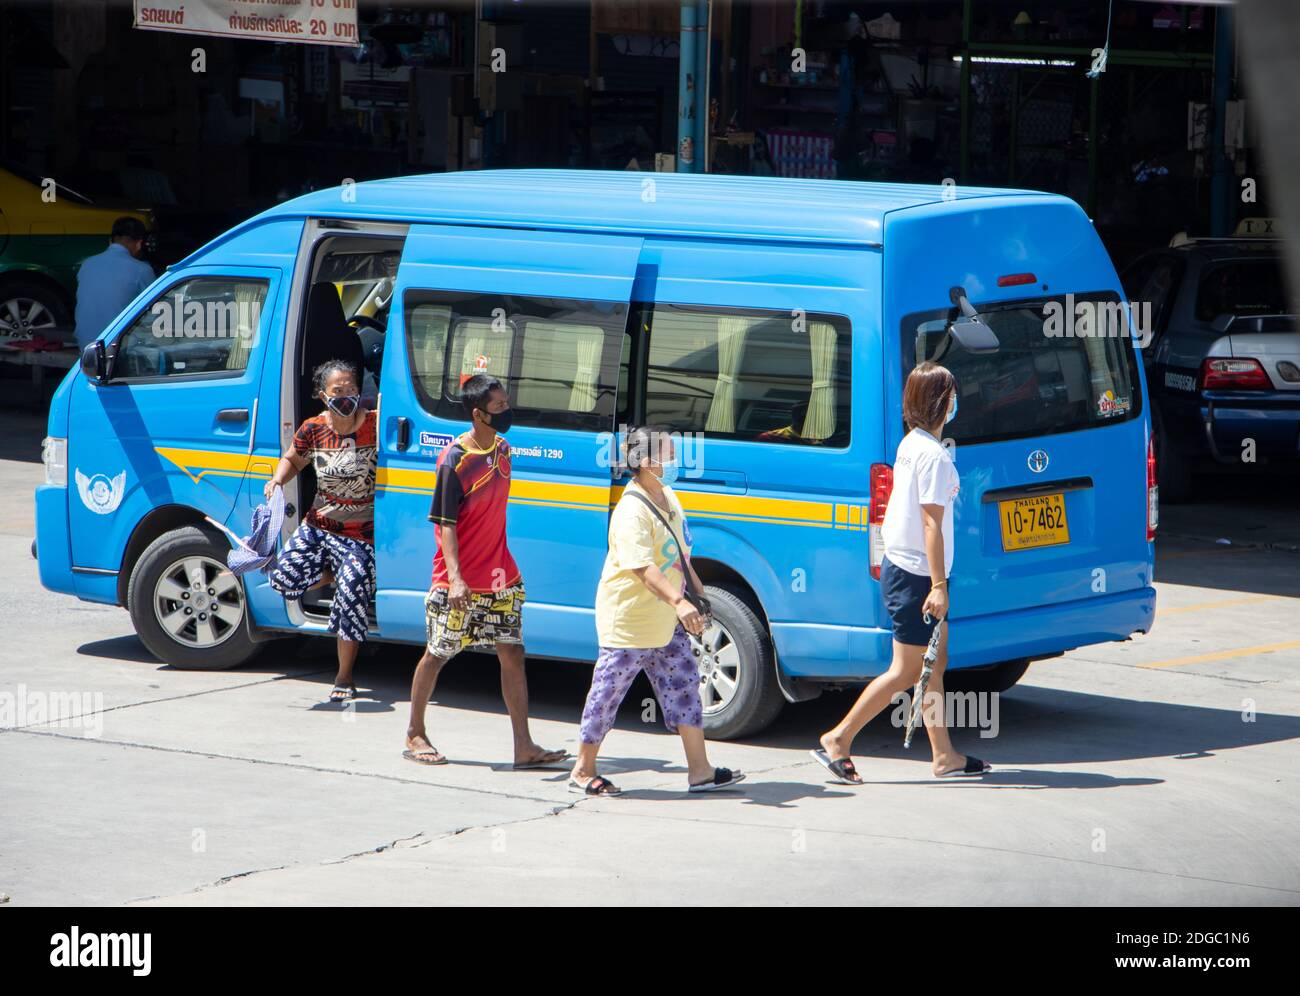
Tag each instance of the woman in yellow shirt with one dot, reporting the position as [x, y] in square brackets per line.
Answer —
[643, 618]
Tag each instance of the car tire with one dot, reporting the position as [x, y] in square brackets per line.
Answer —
[746, 659]
[192, 628]
[1173, 473]
[998, 677]
[37, 300]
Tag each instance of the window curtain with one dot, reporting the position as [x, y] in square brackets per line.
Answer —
[820, 420]
[731, 345]
[428, 332]
[583, 396]
[248, 311]
[1097, 347]
[475, 337]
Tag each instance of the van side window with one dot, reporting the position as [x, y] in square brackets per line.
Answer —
[203, 326]
[556, 357]
[765, 376]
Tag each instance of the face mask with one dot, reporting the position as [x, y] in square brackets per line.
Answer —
[668, 472]
[952, 414]
[343, 405]
[501, 421]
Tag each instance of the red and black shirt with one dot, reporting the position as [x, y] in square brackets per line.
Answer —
[470, 492]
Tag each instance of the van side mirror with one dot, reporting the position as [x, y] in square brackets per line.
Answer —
[94, 362]
[974, 336]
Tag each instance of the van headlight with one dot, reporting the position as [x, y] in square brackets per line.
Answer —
[54, 454]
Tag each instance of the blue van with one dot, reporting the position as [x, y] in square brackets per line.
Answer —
[772, 322]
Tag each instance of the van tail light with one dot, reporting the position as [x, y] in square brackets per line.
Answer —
[1016, 279]
[882, 483]
[1153, 491]
[1242, 374]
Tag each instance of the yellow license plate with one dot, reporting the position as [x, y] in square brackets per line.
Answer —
[1033, 522]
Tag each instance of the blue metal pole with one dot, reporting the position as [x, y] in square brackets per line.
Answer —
[1220, 208]
[702, 44]
[686, 88]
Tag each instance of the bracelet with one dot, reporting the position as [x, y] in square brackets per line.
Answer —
[941, 584]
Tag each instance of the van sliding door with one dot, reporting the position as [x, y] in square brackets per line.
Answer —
[544, 312]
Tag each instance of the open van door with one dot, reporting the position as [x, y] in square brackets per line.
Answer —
[544, 312]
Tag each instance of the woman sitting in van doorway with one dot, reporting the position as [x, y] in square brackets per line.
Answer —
[335, 540]
[643, 617]
[917, 533]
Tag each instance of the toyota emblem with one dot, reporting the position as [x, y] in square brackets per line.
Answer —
[1038, 461]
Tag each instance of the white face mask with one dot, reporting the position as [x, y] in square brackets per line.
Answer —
[952, 412]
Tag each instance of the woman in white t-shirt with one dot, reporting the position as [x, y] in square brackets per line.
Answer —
[917, 534]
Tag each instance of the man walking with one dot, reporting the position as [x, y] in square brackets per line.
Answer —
[108, 281]
[477, 593]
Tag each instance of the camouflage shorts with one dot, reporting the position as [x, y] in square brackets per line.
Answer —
[487, 619]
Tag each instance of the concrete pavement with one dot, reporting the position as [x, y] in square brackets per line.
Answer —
[1161, 771]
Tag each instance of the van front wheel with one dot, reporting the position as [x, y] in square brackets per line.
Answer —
[738, 686]
[187, 607]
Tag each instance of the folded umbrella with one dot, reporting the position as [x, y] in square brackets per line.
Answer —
[257, 549]
[918, 693]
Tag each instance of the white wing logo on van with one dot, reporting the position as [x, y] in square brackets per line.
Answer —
[1037, 461]
[99, 494]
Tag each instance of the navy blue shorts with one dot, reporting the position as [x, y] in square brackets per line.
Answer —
[905, 593]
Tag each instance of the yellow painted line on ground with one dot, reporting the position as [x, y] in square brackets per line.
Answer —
[1215, 605]
[1223, 655]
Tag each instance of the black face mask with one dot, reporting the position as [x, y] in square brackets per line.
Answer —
[501, 421]
[344, 405]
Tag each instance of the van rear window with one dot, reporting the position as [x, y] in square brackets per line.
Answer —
[1045, 378]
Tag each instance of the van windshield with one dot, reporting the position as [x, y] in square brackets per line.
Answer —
[1062, 366]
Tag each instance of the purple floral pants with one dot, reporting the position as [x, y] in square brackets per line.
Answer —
[672, 672]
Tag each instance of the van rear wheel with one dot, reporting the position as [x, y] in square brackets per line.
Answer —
[187, 607]
[990, 678]
[738, 687]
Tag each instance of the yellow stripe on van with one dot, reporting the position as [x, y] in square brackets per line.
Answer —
[523, 491]
[197, 464]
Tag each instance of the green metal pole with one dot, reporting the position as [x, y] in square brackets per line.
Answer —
[964, 159]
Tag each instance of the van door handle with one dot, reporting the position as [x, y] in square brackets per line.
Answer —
[403, 432]
[733, 479]
[232, 415]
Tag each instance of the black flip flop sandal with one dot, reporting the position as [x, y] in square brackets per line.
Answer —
[842, 770]
[551, 759]
[975, 768]
[600, 785]
[424, 755]
[722, 778]
[342, 693]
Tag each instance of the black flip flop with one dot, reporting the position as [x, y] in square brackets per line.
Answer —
[722, 778]
[975, 768]
[842, 770]
[424, 755]
[600, 785]
[550, 759]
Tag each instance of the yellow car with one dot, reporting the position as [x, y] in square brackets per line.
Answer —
[46, 230]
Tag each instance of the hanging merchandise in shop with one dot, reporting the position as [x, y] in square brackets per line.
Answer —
[317, 22]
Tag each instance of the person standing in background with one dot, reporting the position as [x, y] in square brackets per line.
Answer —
[108, 281]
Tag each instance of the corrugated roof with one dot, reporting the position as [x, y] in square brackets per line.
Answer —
[743, 207]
